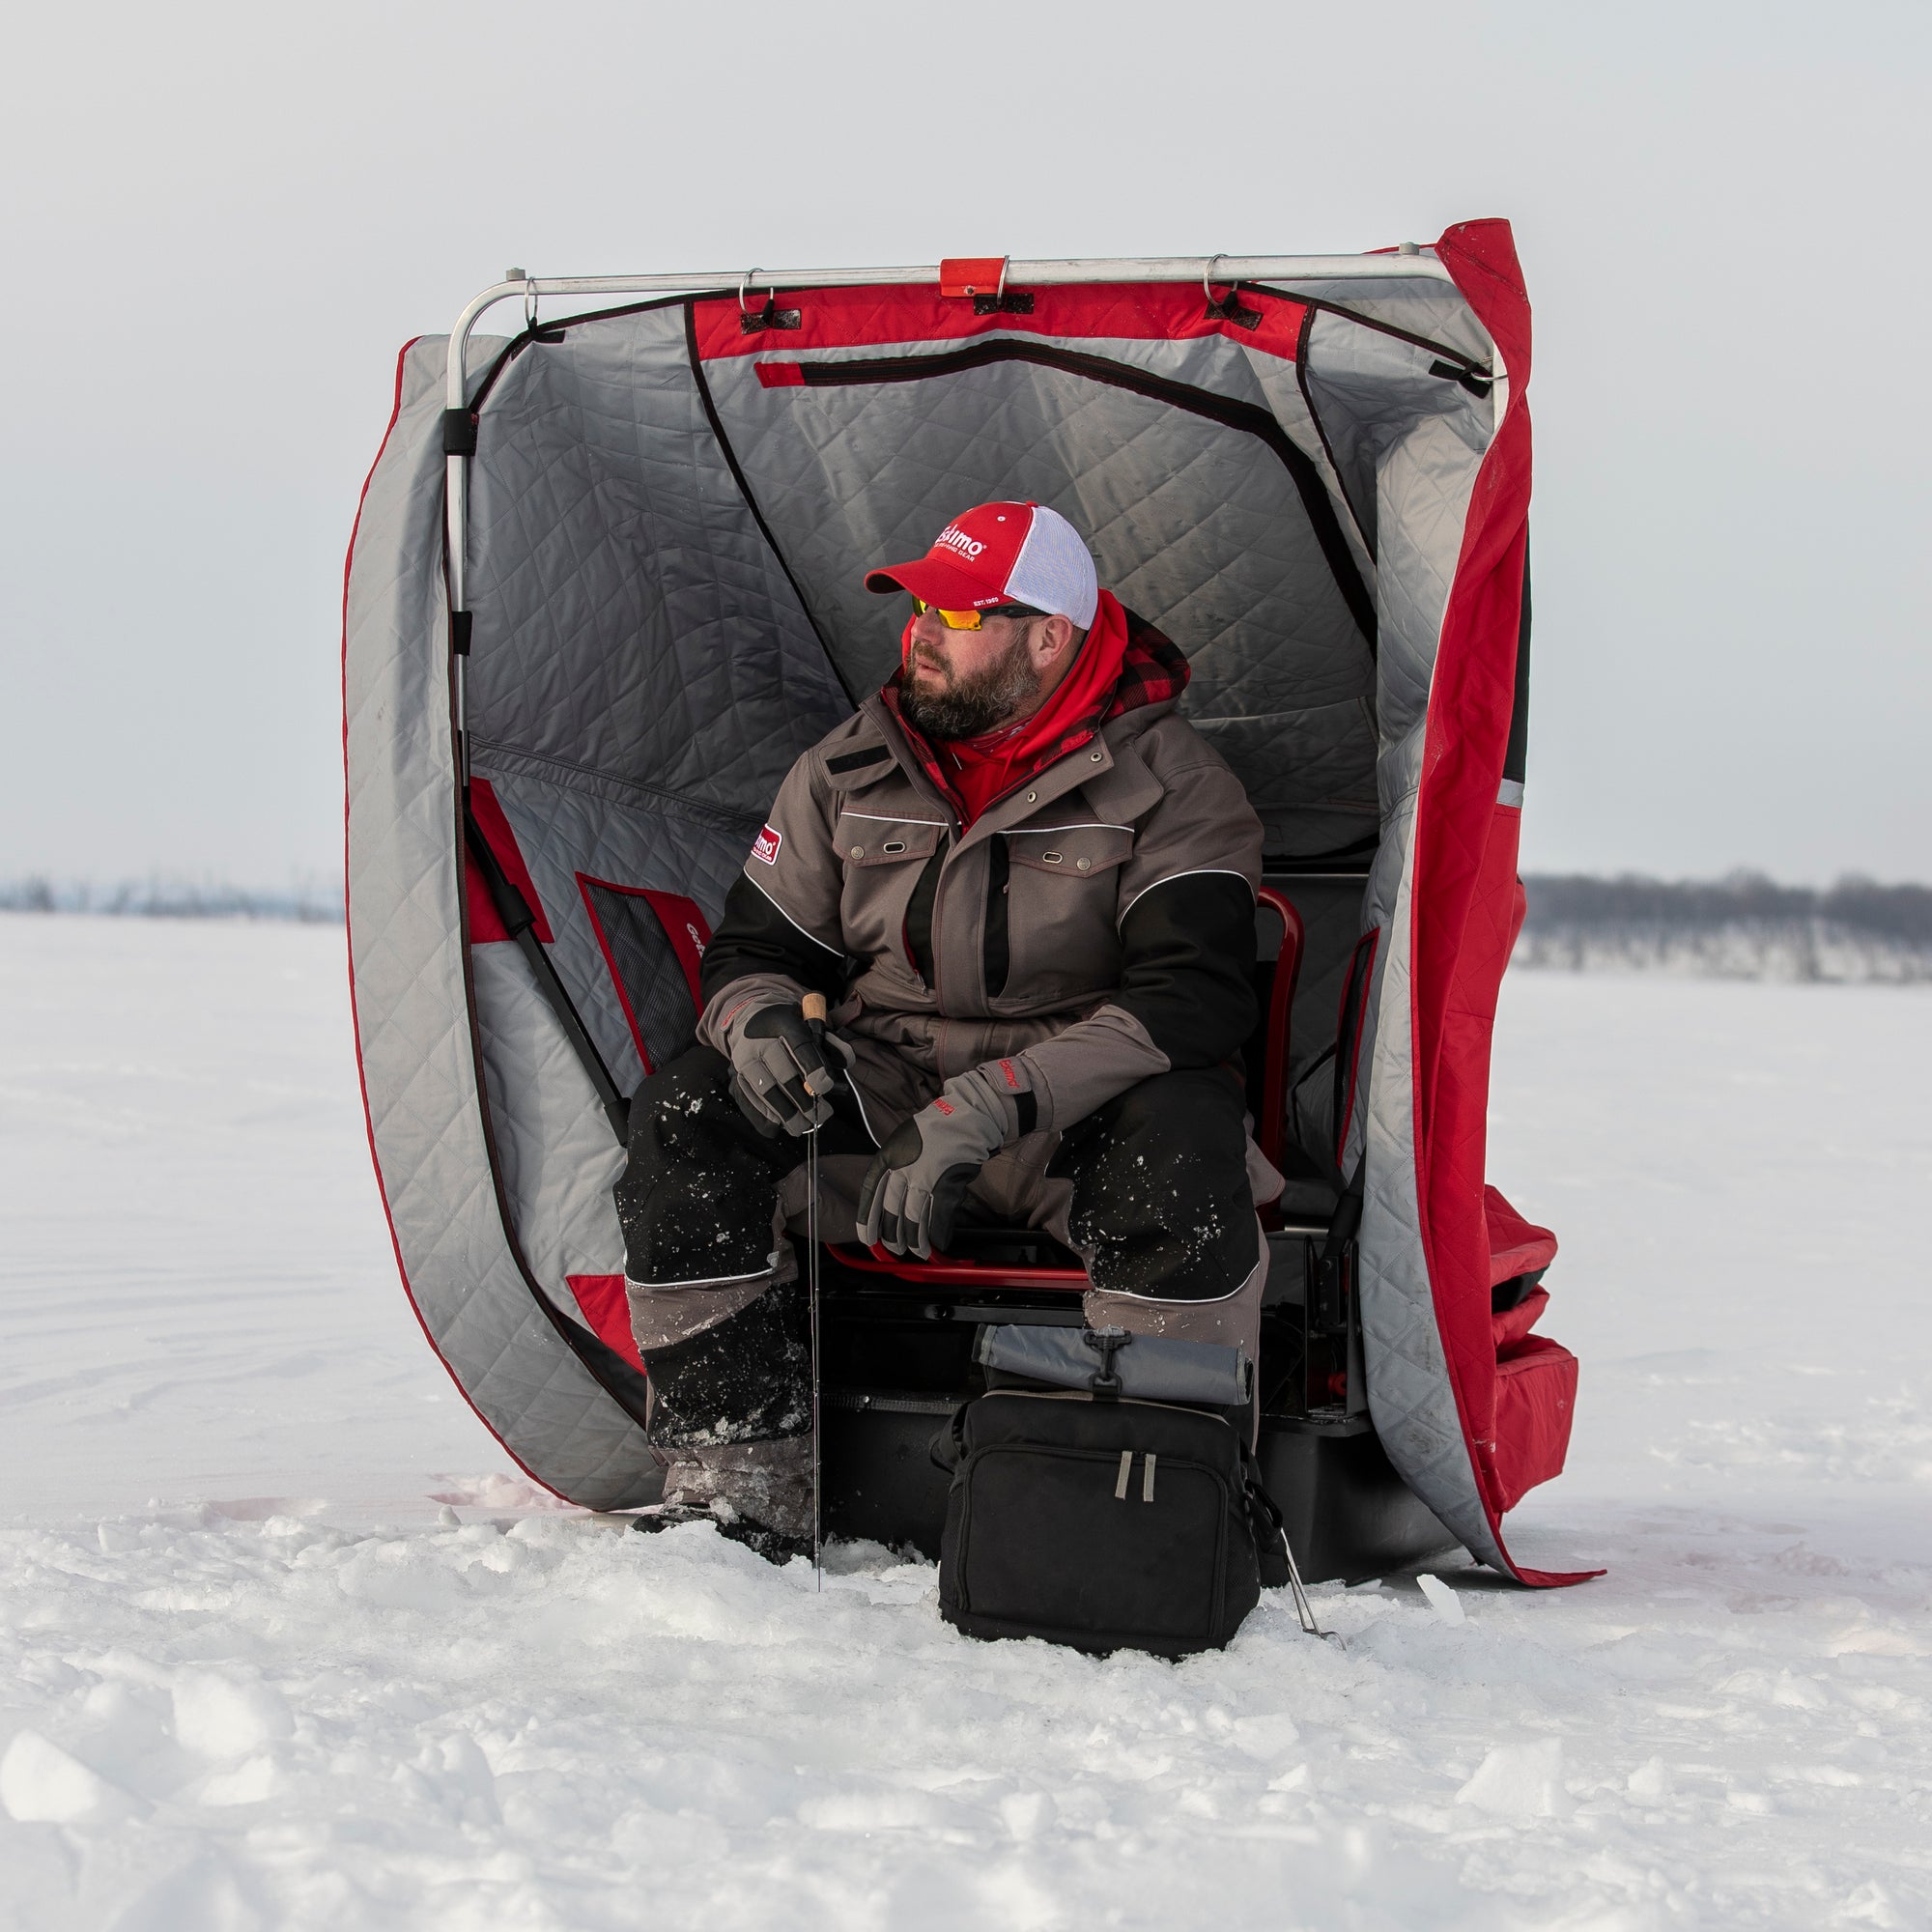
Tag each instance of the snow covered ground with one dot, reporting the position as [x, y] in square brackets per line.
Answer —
[284, 1641]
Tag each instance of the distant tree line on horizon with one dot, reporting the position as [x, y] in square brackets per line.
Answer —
[171, 898]
[1744, 927]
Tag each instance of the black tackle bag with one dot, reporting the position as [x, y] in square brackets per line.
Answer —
[1100, 1518]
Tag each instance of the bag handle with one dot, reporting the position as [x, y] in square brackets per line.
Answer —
[948, 1448]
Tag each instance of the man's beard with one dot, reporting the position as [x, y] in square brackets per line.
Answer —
[1007, 688]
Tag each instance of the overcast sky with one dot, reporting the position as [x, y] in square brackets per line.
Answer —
[221, 222]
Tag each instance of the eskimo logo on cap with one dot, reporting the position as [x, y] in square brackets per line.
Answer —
[1005, 552]
[953, 537]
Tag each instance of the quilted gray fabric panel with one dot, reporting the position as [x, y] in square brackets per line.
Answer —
[554, 1150]
[629, 619]
[1282, 394]
[1222, 365]
[410, 1010]
[1409, 1395]
[1370, 392]
[1196, 525]
[1428, 436]
[1426, 306]
[1216, 363]
[1418, 440]
[557, 1157]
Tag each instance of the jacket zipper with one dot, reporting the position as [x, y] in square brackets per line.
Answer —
[938, 919]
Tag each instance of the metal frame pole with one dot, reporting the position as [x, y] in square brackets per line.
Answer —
[1405, 266]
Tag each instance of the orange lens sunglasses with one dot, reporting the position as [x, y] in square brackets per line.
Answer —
[971, 620]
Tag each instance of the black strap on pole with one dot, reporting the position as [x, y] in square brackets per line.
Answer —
[519, 922]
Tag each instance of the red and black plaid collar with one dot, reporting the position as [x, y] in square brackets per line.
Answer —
[1153, 670]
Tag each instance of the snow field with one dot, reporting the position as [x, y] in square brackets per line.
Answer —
[437, 1700]
[198, 1297]
[545, 1722]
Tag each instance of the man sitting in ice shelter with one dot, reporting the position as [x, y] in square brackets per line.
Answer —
[1026, 887]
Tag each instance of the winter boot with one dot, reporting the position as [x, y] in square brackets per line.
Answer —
[758, 1493]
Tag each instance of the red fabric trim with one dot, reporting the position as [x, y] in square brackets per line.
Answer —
[913, 314]
[1513, 1324]
[942, 1271]
[1516, 1246]
[608, 1310]
[684, 926]
[962, 276]
[1463, 895]
[1536, 1401]
[485, 928]
[780, 375]
[355, 1021]
[688, 932]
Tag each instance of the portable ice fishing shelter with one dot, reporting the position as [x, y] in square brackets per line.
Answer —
[605, 587]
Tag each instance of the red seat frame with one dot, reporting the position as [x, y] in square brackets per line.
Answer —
[950, 1272]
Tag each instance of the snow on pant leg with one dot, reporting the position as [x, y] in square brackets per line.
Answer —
[711, 1281]
[717, 1308]
[1162, 1210]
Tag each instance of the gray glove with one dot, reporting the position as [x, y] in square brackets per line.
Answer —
[915, 1185]
[779, 1072]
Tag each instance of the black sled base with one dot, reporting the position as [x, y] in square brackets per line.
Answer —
[1348, 1515]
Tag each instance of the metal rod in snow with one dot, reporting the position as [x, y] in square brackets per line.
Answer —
[814, 1008]
[812, 1297]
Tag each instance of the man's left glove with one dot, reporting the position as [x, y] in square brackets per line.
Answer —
[780, 1075]
[918, 1179]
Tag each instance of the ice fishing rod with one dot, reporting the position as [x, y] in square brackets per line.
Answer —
[813, 1006]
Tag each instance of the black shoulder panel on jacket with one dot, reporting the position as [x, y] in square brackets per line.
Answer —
[754, 936]
[1187, 966]
[853, 761]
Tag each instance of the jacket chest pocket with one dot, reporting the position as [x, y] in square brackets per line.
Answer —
[1062, 900]
[882, 859]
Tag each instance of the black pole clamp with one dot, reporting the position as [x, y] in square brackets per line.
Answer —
[1106, 1379]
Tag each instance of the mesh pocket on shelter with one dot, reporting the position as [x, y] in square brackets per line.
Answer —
[654, 944]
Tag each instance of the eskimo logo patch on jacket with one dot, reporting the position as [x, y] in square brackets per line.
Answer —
[765, 845]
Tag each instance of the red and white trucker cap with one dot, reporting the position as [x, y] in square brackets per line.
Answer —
[1003, 553]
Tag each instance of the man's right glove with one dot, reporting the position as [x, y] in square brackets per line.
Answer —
[915, 1185]
[780, 1076]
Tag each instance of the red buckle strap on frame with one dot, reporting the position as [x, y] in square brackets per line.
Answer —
[964, 277]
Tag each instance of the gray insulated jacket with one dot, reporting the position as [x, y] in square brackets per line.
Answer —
[1096, 922]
